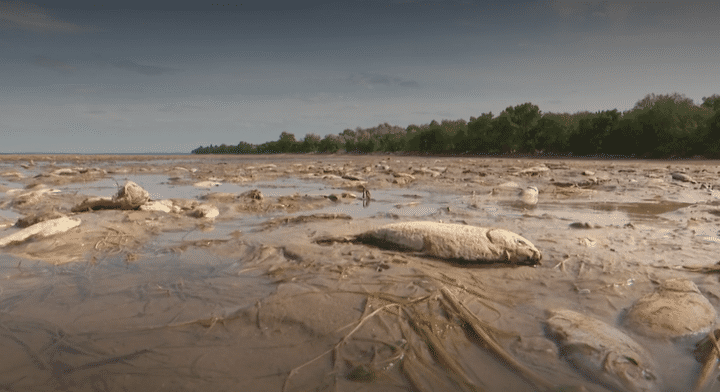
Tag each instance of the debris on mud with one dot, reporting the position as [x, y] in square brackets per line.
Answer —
[305, 219]
[42, 229]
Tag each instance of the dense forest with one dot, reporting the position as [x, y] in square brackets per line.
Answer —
[658, 126]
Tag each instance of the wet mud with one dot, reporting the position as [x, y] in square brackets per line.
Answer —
[233, 274]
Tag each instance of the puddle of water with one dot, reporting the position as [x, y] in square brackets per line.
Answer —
[640, 209]
[10, 215]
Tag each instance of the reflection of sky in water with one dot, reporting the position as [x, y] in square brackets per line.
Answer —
[9, 215]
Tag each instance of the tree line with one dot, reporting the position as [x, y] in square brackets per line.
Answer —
[658, 126]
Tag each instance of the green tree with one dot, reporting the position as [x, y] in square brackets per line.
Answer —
[669, 123]
[515, 124]
[712, 102]
[330, 144]
[479, 135]
[310, 143]
[286, 143]
[592, 131]
[550, 134]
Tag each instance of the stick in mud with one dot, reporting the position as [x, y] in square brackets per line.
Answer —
[477, 326]
[707, 350]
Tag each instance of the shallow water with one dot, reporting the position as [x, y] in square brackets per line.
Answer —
[167, 302]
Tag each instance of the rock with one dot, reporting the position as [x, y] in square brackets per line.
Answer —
[42, 229]
[588, 173]
[206, 184]
[601, 352]
[683, 177]
[676, 309]
[205, 211]
[130, 197]
[453, 241]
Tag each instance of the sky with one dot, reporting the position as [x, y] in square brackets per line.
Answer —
[80, 76]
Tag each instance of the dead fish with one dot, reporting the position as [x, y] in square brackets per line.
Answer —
[683, 177]
[454, 241]
[677, 308]
[529, 196]
[601, 352]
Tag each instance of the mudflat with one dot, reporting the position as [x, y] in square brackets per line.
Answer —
[200, 272]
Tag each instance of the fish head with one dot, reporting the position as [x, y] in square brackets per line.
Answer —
[631, 372]
[517, 249]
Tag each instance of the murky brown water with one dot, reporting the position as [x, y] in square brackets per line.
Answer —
[148, 300]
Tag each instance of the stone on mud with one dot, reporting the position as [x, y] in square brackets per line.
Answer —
[676, 309]
[602, 353]
[454, 241]
[42, 229]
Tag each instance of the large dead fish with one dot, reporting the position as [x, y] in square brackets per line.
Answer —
[454, 241]
[601, 352]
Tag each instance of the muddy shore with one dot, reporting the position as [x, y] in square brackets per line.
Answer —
[178, 298]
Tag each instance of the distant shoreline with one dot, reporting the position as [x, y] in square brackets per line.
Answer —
[152, 156]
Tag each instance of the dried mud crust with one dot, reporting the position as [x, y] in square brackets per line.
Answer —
[262, 278]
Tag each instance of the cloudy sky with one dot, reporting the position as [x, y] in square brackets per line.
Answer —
[83, 76]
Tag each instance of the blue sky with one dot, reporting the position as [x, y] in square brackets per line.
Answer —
[154, 76]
